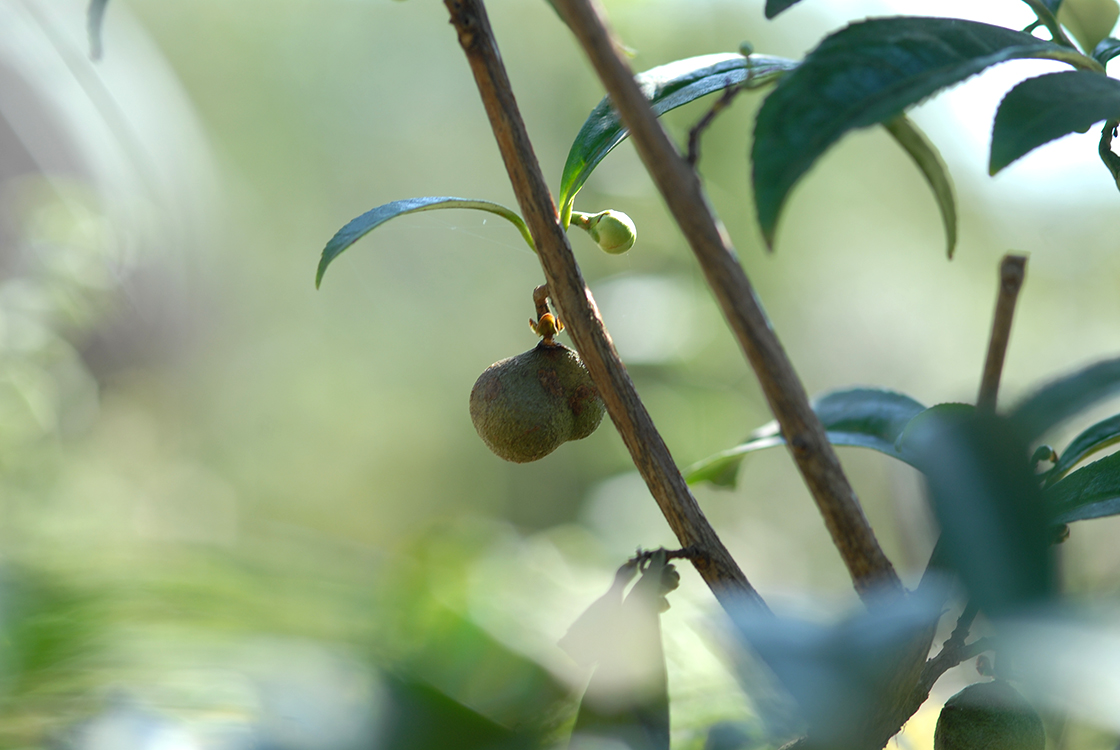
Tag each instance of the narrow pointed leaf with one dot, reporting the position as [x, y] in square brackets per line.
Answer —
[1098, 437]
[1065, 397]
[774, 7]
[1092, 491]
[666, 87]
[375, 217]
[933, 169]
[95, 16]
[1041, 109]
[1106, 50]
[866, 74]
[860, 417]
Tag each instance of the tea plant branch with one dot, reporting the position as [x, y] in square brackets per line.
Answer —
[680, 186]
[1012, 270]
[573, 300]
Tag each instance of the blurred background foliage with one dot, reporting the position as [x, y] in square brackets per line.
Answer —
[237, 512]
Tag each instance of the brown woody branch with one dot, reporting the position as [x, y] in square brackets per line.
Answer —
[1012, 269]
[680, 186]
[573, 300]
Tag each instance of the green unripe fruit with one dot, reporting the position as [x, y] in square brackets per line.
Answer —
[524, 407]
[989, 715]
[613, 231]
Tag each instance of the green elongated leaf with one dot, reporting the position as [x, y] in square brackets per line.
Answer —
[1092, 491]
[666, 87]
[861, 417]
[1099, 436]
[868, 73]
[95, 16]
[1065, 397]
[995, 526]
[933, 169]
[1041, 109]
[375, 217]
[1107, 49]
[774, 7]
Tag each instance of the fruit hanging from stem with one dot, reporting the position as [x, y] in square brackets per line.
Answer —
[524, 407]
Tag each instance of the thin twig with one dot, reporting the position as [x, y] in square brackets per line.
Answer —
[1012, 270]
[570, 295]
[698, 129]
[679, 185]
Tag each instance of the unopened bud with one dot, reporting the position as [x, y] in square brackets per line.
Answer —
[613, 231]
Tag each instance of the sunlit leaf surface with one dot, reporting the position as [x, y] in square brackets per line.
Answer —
[666, 87]
[862, 417]
[375, 217]
[866, 74]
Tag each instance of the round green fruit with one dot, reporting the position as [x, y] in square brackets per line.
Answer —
[989, 716]
[524, 407]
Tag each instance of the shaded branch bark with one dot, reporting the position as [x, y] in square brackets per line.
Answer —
[679, 184]
[577, 309]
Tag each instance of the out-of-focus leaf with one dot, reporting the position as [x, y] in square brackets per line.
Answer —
[1107, 49]
[862, 417]
[774, 7]
[1089, 21]
[1038, 110]
[417, 716]
[995, 527]
[1092, 491]
[464, 662]
[375, 217]
[925, 155]
[1065, 397]
[95, 17]
[627, 698]
[666, 87]
[866, 74]
[917, 425]
[837, 675]
[585, 641]
[1099, 436]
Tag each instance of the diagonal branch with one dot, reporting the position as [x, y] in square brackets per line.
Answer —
[679, 185]
[570, 295]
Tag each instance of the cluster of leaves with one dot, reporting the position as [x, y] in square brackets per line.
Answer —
[987, 491]
[868, 73]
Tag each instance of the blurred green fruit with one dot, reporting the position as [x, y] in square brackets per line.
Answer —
[989, 716]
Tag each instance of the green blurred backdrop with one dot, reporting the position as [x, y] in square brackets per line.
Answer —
[230, 502]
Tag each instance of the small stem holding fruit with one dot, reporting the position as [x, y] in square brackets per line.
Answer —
[572, 298]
